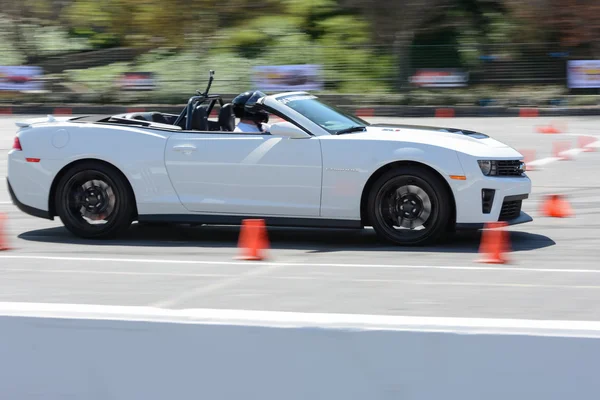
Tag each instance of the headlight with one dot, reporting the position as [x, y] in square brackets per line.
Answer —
[488, 168]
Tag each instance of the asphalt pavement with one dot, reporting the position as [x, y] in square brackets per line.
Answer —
[554, 269]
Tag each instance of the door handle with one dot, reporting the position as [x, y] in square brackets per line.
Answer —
[186, 148]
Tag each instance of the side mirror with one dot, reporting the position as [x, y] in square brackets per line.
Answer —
[288, 129]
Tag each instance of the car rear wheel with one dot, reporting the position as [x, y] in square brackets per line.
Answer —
[94, 201]
[409, 206]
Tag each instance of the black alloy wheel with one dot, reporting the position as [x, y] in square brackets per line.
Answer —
[409, 206]
[93, 200]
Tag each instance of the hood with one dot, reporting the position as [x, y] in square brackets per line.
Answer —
[462, 140]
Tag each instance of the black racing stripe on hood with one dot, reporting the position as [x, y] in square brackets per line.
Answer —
[473, 134]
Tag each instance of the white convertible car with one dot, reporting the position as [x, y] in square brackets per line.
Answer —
[319, 167]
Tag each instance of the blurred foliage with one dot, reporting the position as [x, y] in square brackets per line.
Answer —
[573, 23]
[250, 43]
[243, 32]
[364, 46]
[20, 42]
[152, 23]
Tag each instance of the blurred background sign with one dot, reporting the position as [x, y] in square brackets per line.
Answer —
[288, 77]
[583, 74]
[137, 81]
[20, 78]
[441, 77]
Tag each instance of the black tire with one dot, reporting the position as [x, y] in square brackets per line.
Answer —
[97, 192]
[405, 197]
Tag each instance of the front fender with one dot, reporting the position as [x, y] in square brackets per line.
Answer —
[348, 166]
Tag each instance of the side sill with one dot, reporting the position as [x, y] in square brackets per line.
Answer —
[237, 220]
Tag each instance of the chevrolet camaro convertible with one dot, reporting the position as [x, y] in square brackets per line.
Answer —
[319, 167]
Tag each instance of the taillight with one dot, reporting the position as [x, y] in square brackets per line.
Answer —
[17, 144]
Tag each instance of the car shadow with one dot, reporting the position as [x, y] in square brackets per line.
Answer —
[311, 240]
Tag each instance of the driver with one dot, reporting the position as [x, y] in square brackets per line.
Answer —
[252, 119]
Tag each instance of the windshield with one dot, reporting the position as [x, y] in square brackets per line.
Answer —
[328, 117]
[251, 102]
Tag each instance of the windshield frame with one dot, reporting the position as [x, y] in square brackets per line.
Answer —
[301, 96]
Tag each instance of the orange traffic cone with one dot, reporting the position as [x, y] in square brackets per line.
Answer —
[3, 241]
[556, 206]
[253, 239]
[552, 128]
[547, 129]
[494, 244]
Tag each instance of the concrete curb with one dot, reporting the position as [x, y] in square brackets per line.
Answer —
[55, 351]
[382, 111]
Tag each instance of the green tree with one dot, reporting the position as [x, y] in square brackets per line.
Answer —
[394, 23]
[573, 24]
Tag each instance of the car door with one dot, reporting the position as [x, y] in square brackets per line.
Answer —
[246, 174]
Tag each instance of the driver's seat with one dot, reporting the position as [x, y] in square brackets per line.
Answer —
[226, 118]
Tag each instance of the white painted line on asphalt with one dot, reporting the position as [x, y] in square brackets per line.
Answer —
[453, 283]
[133, 273]
[430, 283]
[319, 278]
[543, 161]
[306, 320]
[571, 152]
[594, 144]
[300, 265]
[567, 153]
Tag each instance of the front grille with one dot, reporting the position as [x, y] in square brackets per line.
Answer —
[510, 210]
[509, 168]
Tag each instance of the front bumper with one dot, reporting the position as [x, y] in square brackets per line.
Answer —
[483, 199]
[521, 219]
[505, 206]
[25, 208]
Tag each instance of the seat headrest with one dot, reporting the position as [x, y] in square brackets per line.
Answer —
[226, 118]
[200, 119]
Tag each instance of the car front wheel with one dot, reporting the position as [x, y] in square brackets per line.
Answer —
[409, 206]
[93, 201]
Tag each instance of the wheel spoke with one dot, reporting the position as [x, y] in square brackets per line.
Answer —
[420, 192]
[427, 203]
[79, 196]
[419, 221]
[402, 191]
[425, 214]
[400, 220]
